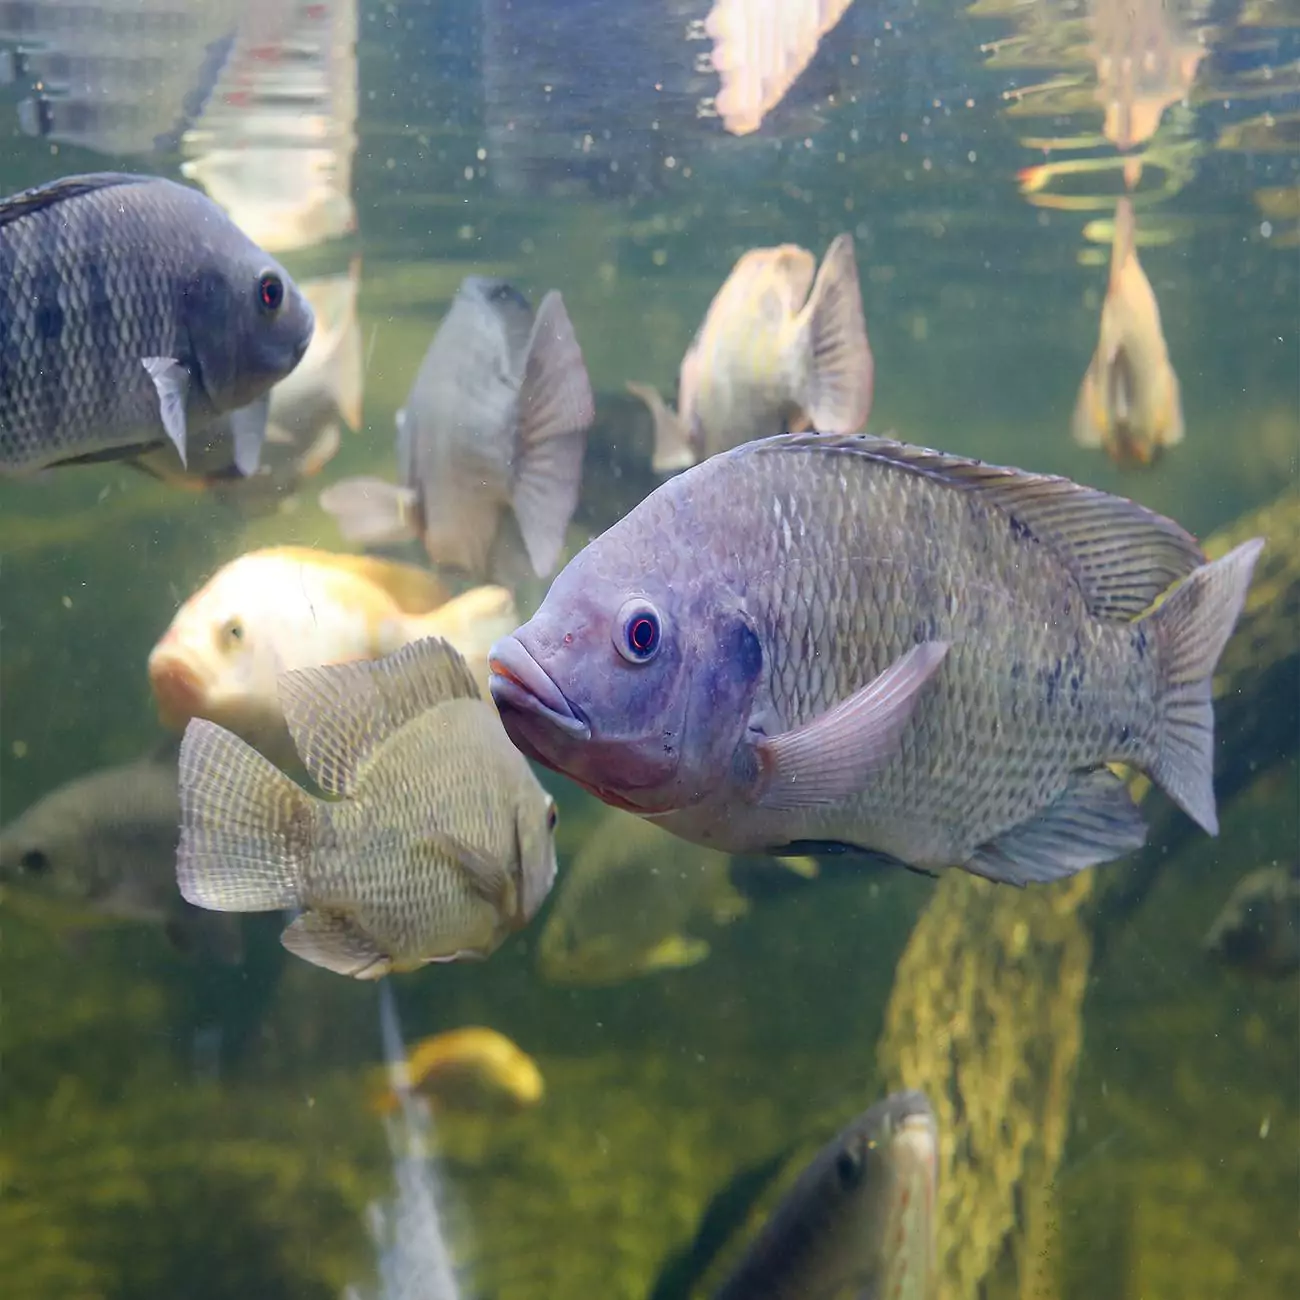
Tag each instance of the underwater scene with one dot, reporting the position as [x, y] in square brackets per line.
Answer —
[648, 649]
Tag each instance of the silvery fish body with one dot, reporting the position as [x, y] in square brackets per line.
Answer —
[859, 1221]
[856, 643]
[490, 442]
[438, 840]
[134, 313]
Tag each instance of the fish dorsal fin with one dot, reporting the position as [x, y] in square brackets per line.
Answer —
[60, 191]
[414, 590]
[339, 715]
[1122, 555]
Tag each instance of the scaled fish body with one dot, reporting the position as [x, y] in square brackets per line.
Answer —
[495, 423]
[287, 607]
[307, 409]
[104, 844]
[435, 840]
[1130, 402]
[770, 356]
[859, 1220]
[135, 314]
[854, 642]
[470, 1069]
[623, 908]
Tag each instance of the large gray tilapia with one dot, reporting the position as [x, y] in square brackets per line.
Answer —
[135, 313]
[495, 424]
[849, 641]
[437, 840]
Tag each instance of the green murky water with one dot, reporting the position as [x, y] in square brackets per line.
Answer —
[171, 1126]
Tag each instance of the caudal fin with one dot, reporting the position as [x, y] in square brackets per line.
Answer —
[673, 450]
[1192, 626]
[473, 622]
[841, 371]
[246, 828]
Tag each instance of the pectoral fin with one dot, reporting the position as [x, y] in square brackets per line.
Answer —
[172, 381]
[337, 943]
[833, 756]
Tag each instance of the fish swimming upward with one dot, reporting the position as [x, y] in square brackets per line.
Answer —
[435, 839]
[848, 642]
[770, 357]
[1130, 401]
[489, 444]
[136, 313]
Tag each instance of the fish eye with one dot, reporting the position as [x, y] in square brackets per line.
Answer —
[270, 291]
[35, 861]
[848, 1168]
[232, 633]
[637, 632]
[552, 817]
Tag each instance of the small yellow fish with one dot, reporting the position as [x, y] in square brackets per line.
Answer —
[759, 50]
[765, 360]
[470, 1069]
[434, 839]
[1130, 401]
[287, 607]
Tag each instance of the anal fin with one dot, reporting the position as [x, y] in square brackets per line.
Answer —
[1093, 820]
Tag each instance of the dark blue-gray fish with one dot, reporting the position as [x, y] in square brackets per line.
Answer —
[494, 425]
[817, 641]
[858, 1224]
[135, 313]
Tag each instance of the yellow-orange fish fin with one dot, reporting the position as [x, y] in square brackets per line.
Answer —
[1089, 423]
[1122, 243]
[839, 374]
[672, 447]
[472, 621]
[1169, 427]
[676, 952]
[412, 589]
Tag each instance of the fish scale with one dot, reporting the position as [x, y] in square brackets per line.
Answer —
[98, 275]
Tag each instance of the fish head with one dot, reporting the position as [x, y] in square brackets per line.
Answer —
[246, 322]
[48, 851]
[634, 678]
[219, 657]
[494, 306]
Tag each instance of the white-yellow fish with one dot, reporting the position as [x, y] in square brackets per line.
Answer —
[770, 357]
[1130, 402]
[287, 607]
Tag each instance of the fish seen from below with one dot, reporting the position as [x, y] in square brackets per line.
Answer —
[770, 357]
[821, 642]
[136, 314]
[489, 444]
[1130, 402]
[435, 839]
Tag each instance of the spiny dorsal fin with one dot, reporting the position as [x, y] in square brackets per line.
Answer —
[339, 715]
[30, 201]
[1122, 555]
[414, 590]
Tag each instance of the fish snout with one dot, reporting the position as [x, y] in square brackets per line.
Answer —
[176, 687]
[518, 682]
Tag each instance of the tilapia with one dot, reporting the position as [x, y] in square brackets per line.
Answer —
[1130, 401]
[1258, 928]
[282, 608]
[852, 642]
[859, 1220]
[435, 839]
[626, 903]
[765, 361]
[103, 846]
[494, 426]
[136, 314]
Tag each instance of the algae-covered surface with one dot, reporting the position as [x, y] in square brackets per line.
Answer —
[1119, 1115]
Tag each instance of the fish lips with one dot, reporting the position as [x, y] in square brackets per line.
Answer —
[520, 685]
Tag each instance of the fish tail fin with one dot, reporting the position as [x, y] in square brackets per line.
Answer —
[1089, 421]
[472, 622]
[555, 410]
[1171, 428]
[673, 450]
[246, 828]
[1192, 627]
[370, 511]
[841, 373]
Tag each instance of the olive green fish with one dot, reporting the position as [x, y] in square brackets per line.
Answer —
[435, 841]
[847, 641]
[133, 314]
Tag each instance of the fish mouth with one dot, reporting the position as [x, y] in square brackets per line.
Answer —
[519, 682]
[177, 690]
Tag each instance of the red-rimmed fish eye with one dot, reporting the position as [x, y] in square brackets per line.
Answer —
[638, 632]
[270, 291]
